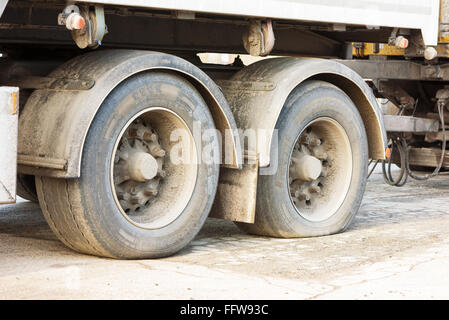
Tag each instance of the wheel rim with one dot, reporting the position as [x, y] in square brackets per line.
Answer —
[320, 169]
[151, 188]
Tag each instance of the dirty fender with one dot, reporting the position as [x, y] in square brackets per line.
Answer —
[55, 149]
[258, 93]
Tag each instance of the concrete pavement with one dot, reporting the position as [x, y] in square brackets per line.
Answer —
[397, 248]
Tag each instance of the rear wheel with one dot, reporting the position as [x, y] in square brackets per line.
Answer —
[322, 166]
[144, 191]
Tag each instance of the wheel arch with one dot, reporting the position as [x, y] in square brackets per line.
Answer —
[55, 149]
[259, 106]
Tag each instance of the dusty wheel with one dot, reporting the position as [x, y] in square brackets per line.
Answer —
[143, 191]
[26, 187]
[322, 164]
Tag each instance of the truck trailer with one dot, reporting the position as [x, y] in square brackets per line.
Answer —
[128, 141]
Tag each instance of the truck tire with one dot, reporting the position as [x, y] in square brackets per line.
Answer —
[135, 199]
[322, 166]
[26, 187]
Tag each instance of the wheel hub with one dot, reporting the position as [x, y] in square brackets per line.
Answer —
[320, 169]
[138, 167]
[151, 192]
[307, 167]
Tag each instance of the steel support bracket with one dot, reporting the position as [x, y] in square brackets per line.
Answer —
[49, 83]
[410, 124]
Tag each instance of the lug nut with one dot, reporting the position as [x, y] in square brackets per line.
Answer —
[135, 200]
[123, 195]
[149, 137]
[315, 142]
[304, 196]
[314, 189]
[150, 192]
[301, 195]
[320, 154]
[324, 173]
[156, 151]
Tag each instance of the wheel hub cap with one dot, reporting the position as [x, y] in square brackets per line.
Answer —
[320, 169]
[306, 168]
[142, 166]
[138, 167]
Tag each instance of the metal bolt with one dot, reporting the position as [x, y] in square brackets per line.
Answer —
[314, 189]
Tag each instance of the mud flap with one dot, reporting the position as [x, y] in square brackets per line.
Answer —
[9, 110]
[236, 194]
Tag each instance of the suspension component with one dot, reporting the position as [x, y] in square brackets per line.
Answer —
[259, 39]
[71, 18]
[87, 24]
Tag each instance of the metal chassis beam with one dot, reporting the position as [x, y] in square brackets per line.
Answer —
[398, 70]
[410, 124]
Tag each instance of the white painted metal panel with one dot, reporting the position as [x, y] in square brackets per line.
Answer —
[3, 4]
[414, 14]
[9, 104]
